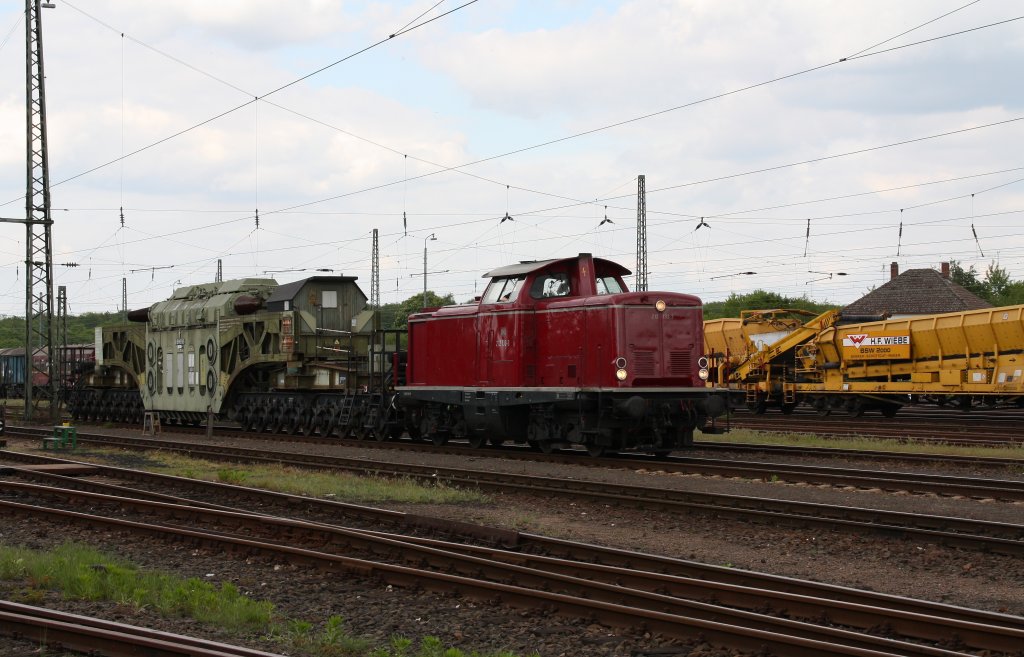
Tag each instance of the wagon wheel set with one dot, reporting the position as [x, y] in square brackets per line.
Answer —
[345, 416]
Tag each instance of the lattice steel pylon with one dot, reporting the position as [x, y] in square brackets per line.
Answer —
[61, 337]
[641, 235]
[375, 273]
[38, 254]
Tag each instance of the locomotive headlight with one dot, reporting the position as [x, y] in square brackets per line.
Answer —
[702, 362]
[703, 374]
[621, 374]
[660, 306]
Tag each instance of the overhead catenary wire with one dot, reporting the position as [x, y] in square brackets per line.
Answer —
[805, 242]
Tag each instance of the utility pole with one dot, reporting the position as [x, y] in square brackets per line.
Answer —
[641, 235]
[124, 298]
[38, 253]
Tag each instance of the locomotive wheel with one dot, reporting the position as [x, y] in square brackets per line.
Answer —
[545, 447]
[477, 441]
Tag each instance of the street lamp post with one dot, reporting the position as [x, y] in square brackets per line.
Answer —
[425, 240]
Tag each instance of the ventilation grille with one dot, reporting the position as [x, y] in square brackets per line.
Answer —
[643, 363]
[679, 363]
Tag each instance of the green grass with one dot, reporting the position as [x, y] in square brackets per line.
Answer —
[863, 443]
[314, 483]
[80, 572]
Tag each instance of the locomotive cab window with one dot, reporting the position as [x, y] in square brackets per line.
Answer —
[555, 284]
[608, 285]
[503, 290]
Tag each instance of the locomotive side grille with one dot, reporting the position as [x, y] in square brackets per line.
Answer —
[679, 363]
[643, 363]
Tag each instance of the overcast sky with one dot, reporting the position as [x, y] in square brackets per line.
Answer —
[545, 111]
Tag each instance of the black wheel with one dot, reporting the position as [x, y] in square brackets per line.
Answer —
[757, 407]
[596, 451]
[854, 407]
[787, 409]
[497, 442]
[661, 453]
[477, 441]
[821, 407]
[890, 410]
[439, 438]
[546, 446]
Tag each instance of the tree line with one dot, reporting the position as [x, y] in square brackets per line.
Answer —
[994, 286]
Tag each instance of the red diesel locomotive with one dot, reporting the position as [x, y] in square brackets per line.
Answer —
[559, 353]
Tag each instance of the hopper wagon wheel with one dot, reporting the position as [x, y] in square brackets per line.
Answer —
[545, 446]
[757, 407]
[328, 425]
[439, 438]
[596, 450]
[477, 440]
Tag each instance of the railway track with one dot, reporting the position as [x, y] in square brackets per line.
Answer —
[920, 425]
[93, 636]
[984, 488]
[1004, 538]
[616, 587]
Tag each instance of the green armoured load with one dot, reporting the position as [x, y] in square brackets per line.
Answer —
[302, 356]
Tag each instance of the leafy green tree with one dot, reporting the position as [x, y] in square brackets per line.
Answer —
[761, 300]
[996, 287]
[395, 315]
[81, 328]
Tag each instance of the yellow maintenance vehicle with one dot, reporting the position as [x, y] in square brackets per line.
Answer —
[849, 364]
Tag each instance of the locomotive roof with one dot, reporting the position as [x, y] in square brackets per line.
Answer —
[288, 291]
[528, 267]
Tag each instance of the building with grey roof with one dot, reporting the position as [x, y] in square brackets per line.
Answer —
[917, 292]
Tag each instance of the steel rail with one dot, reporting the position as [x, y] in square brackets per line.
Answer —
[942, 459]
[95, 636]
[498, 572]
[1005, 538]
[524, 543]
